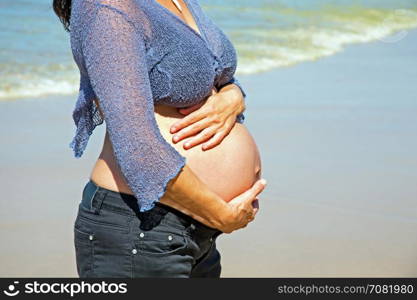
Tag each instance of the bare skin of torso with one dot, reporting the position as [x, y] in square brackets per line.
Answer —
[228, 169]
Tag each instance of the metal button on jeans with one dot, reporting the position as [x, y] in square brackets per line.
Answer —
[134, 251]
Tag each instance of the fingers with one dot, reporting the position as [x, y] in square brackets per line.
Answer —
[193, 114]
[214, 141]
[191, 130]
[248, 202]
[250, 194]
[255, 205]
[258, 187]
[219, 136]
[252, 199]
[255, 190]
[193, 117]
[190, 109]
[203, 136]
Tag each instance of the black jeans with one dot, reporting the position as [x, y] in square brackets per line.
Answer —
[113, 239]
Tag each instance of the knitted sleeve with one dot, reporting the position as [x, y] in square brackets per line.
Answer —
[113, 50]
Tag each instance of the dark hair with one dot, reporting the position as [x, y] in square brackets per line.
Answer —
[62, 9]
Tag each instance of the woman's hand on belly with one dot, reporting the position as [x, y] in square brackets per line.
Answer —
[209, 121]
[244, 211]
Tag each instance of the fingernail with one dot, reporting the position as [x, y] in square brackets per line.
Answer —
[263, 181]
[187, 144]
[175, 138]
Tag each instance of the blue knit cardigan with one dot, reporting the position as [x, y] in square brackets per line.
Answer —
[133, 54]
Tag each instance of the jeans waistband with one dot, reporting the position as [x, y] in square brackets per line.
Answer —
[95, 198]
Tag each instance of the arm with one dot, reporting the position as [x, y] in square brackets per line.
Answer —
[114, 56]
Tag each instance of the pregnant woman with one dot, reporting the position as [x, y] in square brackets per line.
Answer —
[160, 74]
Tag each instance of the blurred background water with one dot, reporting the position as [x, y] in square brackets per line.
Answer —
[35, 57]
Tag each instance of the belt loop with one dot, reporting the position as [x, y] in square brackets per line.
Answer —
[88, 194]
[97, 201]
[190, 228]
[92, 198]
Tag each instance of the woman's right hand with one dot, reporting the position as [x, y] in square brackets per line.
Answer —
[243, 208]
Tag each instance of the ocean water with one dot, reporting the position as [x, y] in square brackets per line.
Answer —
[35, 57]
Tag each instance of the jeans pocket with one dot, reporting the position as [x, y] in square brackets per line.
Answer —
[84, 252]
[104, 219]
[162, 240]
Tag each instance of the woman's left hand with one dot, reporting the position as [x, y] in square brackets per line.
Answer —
[210, 120]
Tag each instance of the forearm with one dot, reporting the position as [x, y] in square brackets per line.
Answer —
[188, 194]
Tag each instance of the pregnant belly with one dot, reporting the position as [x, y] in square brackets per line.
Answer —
[228, 169]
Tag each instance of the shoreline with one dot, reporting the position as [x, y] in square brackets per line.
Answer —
[338, 154]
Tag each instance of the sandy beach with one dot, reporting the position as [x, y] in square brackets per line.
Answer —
[338, 139]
